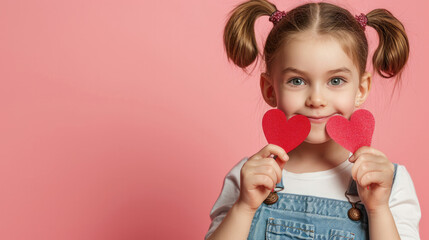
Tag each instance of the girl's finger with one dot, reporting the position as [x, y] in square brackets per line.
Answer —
[365, 150]
[359, 152]
[367, 166]
[371, 177]
[262, 180]
[361, 159]
[280, 161]
[275, 150]
[277, 168]
[266, 170]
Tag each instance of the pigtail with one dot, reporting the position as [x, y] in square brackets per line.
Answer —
[393, 48]
[239, 34]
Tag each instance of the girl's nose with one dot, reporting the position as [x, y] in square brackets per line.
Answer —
[316, 99]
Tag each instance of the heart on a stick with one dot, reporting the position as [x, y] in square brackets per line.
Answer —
[285, 133]
[352, 134]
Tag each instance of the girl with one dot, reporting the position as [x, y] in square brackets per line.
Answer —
[315, 59]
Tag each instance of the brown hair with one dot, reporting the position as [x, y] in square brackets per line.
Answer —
[389, 58]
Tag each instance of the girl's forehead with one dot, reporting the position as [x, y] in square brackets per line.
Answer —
[313, 53]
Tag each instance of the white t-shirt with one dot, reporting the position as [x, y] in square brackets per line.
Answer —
[331, 183]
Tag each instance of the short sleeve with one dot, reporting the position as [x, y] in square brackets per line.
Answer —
[404, 205]
[227, 197]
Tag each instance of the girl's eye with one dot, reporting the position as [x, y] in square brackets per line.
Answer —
[336, 81]
[296, 81]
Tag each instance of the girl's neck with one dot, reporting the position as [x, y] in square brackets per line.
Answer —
[309, 157]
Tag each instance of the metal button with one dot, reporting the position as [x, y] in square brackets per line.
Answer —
[272, 198]
[354, 214]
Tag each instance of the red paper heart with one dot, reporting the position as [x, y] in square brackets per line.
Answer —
[352, 134]
[287, 134]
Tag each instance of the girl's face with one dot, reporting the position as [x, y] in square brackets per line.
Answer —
[313, 76]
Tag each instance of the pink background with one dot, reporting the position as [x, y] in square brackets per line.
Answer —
[120, 119]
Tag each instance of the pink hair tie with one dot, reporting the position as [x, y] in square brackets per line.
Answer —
[277, 16]
[362, 20]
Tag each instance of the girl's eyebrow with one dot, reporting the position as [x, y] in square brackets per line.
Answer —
[330, 72]
[291, 69]
[343, 69]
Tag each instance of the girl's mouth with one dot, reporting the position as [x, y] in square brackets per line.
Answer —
[320, 119]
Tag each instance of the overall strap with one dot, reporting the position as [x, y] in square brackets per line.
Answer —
[394, 175]
[279, 186]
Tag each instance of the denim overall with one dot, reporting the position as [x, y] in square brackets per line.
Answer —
[308, 217]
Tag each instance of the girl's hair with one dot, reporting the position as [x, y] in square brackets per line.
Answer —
[325, 19]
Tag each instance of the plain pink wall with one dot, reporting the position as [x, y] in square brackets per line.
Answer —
[120, 119]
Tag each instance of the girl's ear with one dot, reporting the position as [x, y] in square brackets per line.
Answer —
[364, 87]
[267, 89]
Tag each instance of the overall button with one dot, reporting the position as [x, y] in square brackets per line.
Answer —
[272, 198]
[354, 214]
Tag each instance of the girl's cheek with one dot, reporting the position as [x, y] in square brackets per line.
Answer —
[347, 108]
[290, 105]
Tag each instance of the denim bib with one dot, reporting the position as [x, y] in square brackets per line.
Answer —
[308, 217]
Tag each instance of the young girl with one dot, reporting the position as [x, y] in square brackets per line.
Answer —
[315, 57]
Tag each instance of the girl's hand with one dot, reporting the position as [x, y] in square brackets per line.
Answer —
[373, 173]
[259, 175]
